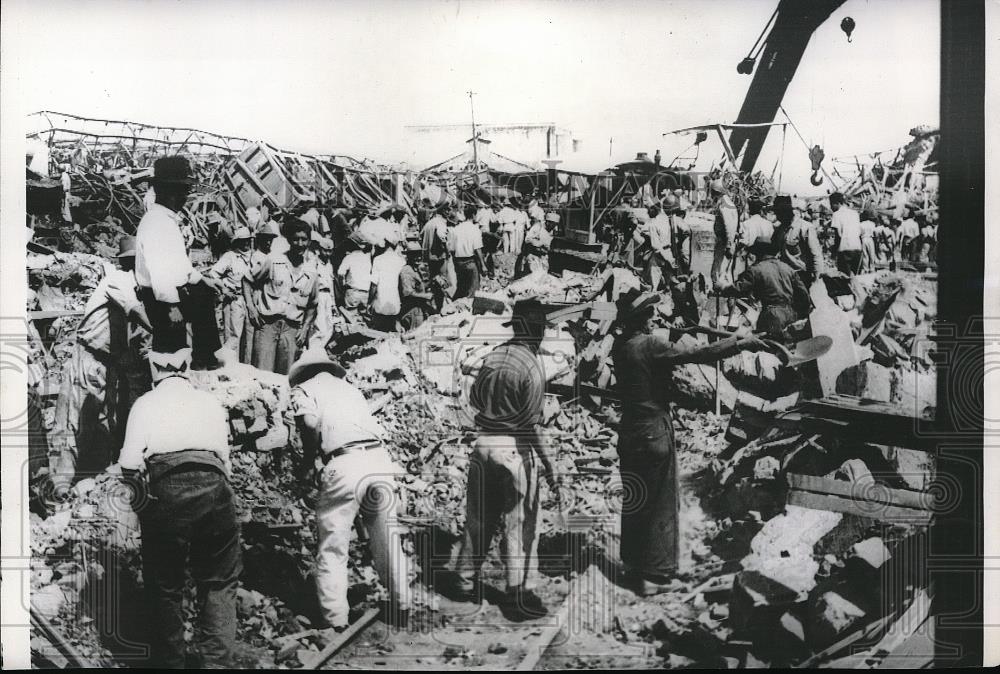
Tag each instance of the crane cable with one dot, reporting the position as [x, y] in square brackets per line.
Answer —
[751, 54]
[804, 143]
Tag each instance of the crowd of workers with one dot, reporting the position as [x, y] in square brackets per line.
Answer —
[285, 290]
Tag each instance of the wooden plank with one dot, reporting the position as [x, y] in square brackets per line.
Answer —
[340, 639]
[53, 313]
[828, 319]
[861, 508]
[863, 633]
[904, 498]
[560, 622]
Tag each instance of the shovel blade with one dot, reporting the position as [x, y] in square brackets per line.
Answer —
[809, 350]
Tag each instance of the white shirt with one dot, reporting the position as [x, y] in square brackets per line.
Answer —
[385, 278]
[174, 416]
[117, 287]
[466, 238]
[336, 410]
[848, 226]
[755, 226]
[356, 270]
[660, 234]
[161, 259]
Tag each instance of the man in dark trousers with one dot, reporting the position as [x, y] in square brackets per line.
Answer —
[180, 436]
[172, 291]
[504, 469]
[783, 296]
[644, 358]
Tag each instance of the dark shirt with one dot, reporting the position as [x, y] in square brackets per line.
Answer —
[643, 364]
[774, 283]
[509, 390]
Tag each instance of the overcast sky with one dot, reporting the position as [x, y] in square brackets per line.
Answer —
[346, 77]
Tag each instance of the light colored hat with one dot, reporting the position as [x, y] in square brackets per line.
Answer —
[163, 365]
[552, 217]
[269, 228]
[242, 233]
[391, 238]
[630, 305]
[253, 216]
[717, 186]
[310, 364]
[126, 246]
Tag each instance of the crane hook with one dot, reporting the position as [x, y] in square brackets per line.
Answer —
[816, 156]
[847, 25]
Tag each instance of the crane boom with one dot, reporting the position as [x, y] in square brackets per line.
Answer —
[794, 25]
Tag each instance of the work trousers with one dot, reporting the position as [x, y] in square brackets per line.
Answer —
[362, 481]
[868, 255]
[502, 491]
[467, 276]
[491, 243]
[650, 540]
[274, 347]
[197, 304]
[774, 318]
[849, 262]
[234, 318]
[191, 519]
[94, 400]
[322, 330]
[382, 322]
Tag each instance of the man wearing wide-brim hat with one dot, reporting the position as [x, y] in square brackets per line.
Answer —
[356, 474]
[644, 357]
[100, 378]
[170, 288]
[227, 276]
[509, 453]
[783, 296]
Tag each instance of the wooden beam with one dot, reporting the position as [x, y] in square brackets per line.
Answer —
[340, 639]
[53, 313]
[823, 493]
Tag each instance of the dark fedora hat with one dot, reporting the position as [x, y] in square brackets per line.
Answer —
[173, 169]
[526, 311]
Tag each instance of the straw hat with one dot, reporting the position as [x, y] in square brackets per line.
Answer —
[242, 233]
[310, 364]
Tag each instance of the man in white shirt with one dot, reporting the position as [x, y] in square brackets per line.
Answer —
[172, 291]
[384, 302]
[226, 277]
[868, 241]
[355, 273]
[357, 474]
[847, 225]
[95, 395]
[661, 260]
[726, 225]
[508, 220]
[434, 239]
[908, 236]
[466, 245]
[180, 435]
